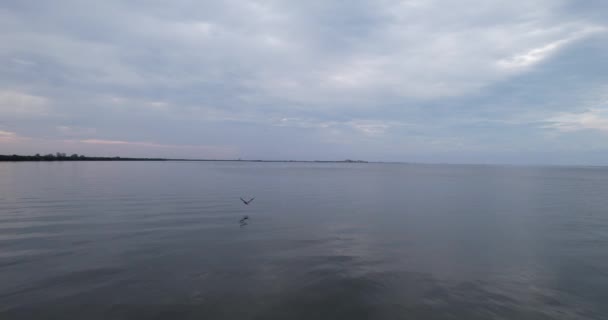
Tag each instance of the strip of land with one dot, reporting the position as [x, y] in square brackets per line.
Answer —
[74, 157]
[77, 157]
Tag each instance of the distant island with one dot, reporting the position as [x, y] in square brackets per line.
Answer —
[76, 157]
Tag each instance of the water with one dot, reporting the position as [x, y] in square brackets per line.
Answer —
[161, 240]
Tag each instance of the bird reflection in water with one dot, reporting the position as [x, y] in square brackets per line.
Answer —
[243, 221]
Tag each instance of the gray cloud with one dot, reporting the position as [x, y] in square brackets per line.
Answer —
[380, 80]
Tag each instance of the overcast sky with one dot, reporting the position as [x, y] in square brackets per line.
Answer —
[420, 80]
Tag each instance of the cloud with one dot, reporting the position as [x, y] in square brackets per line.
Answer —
[533, 56]
[7, 135]
[16, 103]
[541, 53]
[75, 131]
[200, 150]
[119, 142]
[594, 119]
[378, 48]
[371, 128]
[363, 77]
[11, 142]
[366, 127]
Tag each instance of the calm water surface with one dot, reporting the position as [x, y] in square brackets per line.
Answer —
[161, 240]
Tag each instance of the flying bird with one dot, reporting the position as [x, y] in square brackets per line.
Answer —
[243, 219]
[247, 202]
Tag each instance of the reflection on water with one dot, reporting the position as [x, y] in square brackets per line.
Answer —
[154, 240]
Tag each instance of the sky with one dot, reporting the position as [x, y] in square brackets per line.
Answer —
[513, 82]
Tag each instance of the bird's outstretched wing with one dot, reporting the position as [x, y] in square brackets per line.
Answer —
[247, 202]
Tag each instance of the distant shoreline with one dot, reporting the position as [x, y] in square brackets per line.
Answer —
[75, 157]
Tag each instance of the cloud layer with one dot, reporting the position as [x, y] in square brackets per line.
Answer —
[418, 80]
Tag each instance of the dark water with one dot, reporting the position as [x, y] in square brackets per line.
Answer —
[161, 240]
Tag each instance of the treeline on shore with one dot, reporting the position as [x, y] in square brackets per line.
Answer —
[64, 157]
[78, 157]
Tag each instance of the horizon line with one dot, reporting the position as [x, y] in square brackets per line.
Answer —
[64, 157]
